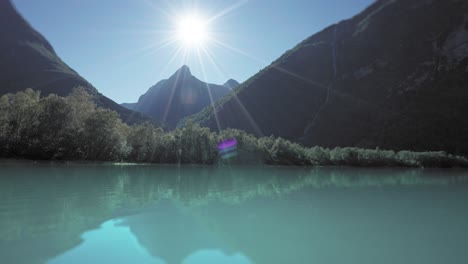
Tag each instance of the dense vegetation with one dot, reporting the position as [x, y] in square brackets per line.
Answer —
[74, 128]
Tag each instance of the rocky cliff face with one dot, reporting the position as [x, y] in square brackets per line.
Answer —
[393, 76]
[28, 60]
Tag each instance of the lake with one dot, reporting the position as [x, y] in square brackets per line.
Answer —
[105, 213]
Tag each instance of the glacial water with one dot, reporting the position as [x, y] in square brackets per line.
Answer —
[105, 213]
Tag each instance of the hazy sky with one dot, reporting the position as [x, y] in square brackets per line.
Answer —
[117, 45]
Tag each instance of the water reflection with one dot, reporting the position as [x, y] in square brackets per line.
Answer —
[115, 244]
[165, 214]
[210, 256]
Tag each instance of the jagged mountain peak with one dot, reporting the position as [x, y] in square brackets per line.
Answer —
[181, 95]
[184, 70]
[231, 84]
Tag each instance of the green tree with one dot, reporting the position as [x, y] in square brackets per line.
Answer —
[22, 121]
[143, 142]
[54, 126]
[105, 136]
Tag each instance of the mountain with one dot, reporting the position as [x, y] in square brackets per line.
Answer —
[231, 84]
[394, 76]
[28, 60]
[171, 100]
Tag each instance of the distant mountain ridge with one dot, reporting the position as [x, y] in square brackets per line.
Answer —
[28, 60]
[393, 76]
[169, 101]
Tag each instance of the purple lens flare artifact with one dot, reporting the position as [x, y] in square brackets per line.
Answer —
[228, 148]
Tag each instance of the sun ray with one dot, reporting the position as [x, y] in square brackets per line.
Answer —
[158, 9]
[214, 64]
[194, 38]
[194, 34]
[172, 59]
[246, 113]
[171, 97]
[209, 91]
[131, 56]
[152, 47]
[279, 68]
[302, 78]
[249, 117]
[228, 10]
[236, 50]
[168, 106]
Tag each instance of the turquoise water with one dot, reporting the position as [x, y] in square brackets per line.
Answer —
[89, 213]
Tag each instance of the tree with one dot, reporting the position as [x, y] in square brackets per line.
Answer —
[143, 143]
[22, 121]
[54, 127]
[105, 136]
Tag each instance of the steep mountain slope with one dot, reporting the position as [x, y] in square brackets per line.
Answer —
[171, 100]
[394, 76]
[27, 60]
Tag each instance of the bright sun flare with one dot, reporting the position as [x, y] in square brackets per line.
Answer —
[192, 31]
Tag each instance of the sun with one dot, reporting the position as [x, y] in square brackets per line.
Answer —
[192, 31]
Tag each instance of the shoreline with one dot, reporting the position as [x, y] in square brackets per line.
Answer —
[4, 161]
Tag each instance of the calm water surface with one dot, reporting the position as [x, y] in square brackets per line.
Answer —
[61, 214]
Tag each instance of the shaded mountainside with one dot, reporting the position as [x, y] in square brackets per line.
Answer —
[27, 60]
[393, 76]
[182, 95]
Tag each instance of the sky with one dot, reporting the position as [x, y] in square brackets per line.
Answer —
[123, 47]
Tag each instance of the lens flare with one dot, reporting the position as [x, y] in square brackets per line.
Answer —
[228, 148]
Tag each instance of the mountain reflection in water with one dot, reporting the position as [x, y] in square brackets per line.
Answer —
[240, 215]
